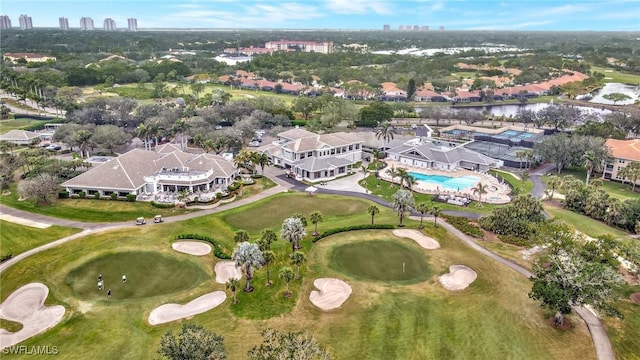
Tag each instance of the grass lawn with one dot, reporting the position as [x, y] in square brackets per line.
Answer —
[614, 188]
[584, 224]
[15, 238]
[613, 75]
[516, 184]
[19, 123]
[380, 260]
[493, 318]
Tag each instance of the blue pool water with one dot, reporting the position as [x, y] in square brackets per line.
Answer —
[447, 182]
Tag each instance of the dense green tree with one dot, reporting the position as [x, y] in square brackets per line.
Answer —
[375, 114]
[110, 137]
[241, 236]
[615, 97]
[193, 342]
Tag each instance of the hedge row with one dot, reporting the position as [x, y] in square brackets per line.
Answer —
[463, 224]
[217, 249]
[5, 258]
[162, 205]
[514, 240]
[351, 228]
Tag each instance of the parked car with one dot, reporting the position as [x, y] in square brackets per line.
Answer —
[158, 219]
[54, 147]
[140, 221]
[254, 144]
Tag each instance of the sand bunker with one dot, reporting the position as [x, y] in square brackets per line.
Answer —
[331, 293]
[26, 222]
[192, 247]
[226, 270]
[171, 312]
[26, 306]
[422, 240]
[458, 278]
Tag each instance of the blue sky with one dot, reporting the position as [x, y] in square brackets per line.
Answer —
[597, 15]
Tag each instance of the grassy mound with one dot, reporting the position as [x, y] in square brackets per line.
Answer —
[380, 260]
[148, 274]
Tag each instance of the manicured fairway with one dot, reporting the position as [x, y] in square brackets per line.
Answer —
[148, 274]
[15, 238]
[381, 260]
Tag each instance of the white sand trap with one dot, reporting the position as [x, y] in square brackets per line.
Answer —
[422, 240]
[171, 312]
[192, 247]
[331, 293]
[226, 270]
[21, 221]
[26, 306]
[458, 278]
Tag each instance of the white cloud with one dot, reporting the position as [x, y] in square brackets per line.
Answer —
[345, 7]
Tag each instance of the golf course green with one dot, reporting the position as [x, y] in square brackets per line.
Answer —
[148, 274]
[380, 260]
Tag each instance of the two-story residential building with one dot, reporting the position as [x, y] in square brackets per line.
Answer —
[622, 153]
[314, 157]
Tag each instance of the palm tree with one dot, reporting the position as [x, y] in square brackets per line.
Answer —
[315, 218]
[302, 218]
[364, 171]
[590, 161]
[241, 236]
[435, 211]
[410, 181]
[232, 284]
[82, 139]
[297, 258]
[385, 132]
[144, 132]
[524, 177]
[392, 173]
[553, 182]
[268, 256]
[242, 159]
[480, 190]
[266, 238]
[402, 174]
[248, 257]
[180, 127]
[262, 160]
[286, 274]
[373, 210]
[422, 208]
[293, 231]
[402, 202]
[183, 195]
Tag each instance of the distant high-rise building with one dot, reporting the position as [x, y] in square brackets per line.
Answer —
[441, 28]
[25, 22]
[64, 23]
[5, 22]
[401, 27]
[133, 24]
[425, 28]
[386, 27]
[109, 24]
[86, 23]
[408, 27]
[416, 27]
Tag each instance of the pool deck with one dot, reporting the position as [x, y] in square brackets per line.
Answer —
[497, 193]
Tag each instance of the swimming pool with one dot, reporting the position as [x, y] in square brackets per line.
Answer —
[447, 182]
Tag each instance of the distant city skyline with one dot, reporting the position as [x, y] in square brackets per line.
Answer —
[526, 15]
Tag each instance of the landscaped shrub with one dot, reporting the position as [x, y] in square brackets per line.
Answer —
[298, 123]
[114, 196]
[514, 240]
[97, 196]
[219, 195]
[131, 197]
[218, 251]
[63, 195]
[463, 224]
[82, 194]
[162, 205]
[352, 228]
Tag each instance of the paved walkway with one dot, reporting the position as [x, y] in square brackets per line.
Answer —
[602, 344]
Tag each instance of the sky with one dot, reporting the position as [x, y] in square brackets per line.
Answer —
[521, 15]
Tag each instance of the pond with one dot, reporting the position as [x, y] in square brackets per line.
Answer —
[633, 91]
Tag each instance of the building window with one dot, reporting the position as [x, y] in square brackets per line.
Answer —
[357, 146]
[333, 151]
[350, 147]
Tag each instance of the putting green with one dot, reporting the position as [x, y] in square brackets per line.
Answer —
[148, 274]
[380, 260]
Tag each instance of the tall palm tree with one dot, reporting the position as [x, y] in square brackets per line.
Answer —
[262, 160]
[297, 258]
[373, 210]
[393, 174]
[364, 171]
[248, 258]
[422, 208]
[435, 211]
[82, 139]
[242, 159]
[315, 218]
[524, 177]
[302, 218]
[286, 274]
[385, 132]
[479, 190]
[180, 127]
[293, 231]
[233, 284]
[591, 162]
[402, 202]
[267, 236]
[241, 236]
[402, 174]
[410, 181]
[144, 133]
[268, 256]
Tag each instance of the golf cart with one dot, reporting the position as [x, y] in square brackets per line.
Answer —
[158, 219]
[140, 221]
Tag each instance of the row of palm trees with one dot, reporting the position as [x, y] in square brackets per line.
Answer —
[403, 202]
[251, 159]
